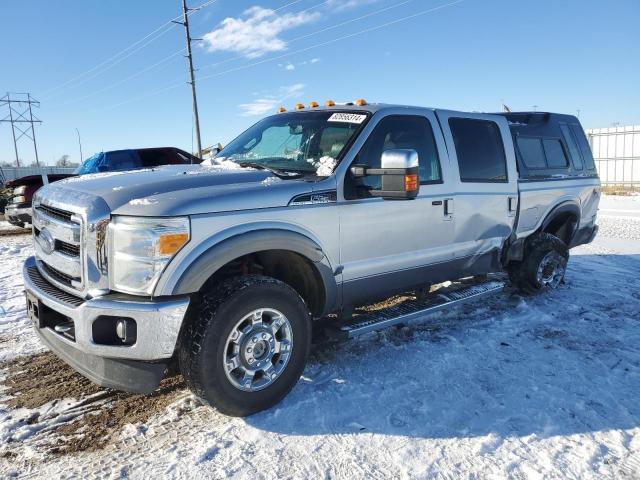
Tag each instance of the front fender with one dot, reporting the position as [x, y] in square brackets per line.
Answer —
[193, 274]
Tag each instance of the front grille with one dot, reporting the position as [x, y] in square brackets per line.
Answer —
[56, 213]
[63, 247]
[68, 249]
[40, 282]
[58, 276]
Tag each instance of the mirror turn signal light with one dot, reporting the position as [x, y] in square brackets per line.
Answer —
[410, 182]
[282, 110]
[329, 103]
[313, 104]
[299, 106]
[361, 102]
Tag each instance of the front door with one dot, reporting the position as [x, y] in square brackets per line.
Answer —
[387, 245]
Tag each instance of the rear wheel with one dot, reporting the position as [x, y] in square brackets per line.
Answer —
[544, 264]
[246, 344]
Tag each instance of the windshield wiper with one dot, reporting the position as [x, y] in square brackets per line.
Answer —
[284, 174]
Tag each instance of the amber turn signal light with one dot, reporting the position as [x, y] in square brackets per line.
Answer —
[410, 182]
[172, 242]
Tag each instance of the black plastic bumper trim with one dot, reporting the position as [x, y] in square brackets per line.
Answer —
[127, 375]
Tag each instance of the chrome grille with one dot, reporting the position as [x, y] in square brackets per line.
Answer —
[40, 282]
[57, 241]
[55, 213]
[58, 275]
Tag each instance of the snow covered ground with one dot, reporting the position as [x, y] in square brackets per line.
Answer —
[516, 387]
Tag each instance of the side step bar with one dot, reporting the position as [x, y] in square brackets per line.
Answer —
[416, 309]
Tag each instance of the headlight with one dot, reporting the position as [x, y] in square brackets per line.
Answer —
[20, 190]
[140, 248]
[18, 199]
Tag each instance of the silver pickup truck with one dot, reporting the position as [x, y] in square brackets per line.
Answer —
[224, 269]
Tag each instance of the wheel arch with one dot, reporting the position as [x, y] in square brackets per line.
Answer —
[307, 270]
[562, 221]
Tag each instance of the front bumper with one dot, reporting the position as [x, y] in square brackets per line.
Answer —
[134, 367]
[17, 214]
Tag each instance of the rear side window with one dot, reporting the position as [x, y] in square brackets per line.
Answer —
[554, 153]
[157, 157]
[587, 156]
[122, 160]
[574, 152]
[479, 149]
[531, 152]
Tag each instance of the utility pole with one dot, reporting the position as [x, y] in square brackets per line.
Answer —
[79, 143]
[185, 23]
[20, 111]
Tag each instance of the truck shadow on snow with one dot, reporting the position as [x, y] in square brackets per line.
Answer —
[561, 363]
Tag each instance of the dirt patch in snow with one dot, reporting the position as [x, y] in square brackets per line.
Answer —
[98, 416]
[35, 380]
[95, 430]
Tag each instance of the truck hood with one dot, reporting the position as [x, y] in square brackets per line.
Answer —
[182, 190]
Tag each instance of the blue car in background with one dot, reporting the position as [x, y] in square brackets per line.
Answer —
[18, 210]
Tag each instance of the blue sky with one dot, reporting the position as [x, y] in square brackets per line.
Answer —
[256, 55]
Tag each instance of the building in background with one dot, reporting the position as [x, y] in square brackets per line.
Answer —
[616, 151]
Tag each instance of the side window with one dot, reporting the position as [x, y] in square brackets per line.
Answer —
[555, 153]
[587, 156]
[154, 158]
[402, 132]
[574, 153]
[480, 150]
[531, 152]
[122, 160]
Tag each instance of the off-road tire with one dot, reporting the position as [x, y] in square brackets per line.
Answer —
[540, 247]
[210, 321]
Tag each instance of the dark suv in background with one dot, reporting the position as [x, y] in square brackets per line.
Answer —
[18, 210]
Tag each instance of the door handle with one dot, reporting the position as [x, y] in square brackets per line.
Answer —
[448, 208]
[512, 205]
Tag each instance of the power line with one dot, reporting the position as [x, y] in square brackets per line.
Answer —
[126, 52]
[124, 80]
[164, 60]
[302, 50]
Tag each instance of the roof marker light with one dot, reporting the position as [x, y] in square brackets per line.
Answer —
[299, 106]
[361, 102]
[282, 110]
[330, 103]
[313, 104]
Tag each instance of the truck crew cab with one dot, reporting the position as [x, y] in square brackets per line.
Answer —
[225, 267]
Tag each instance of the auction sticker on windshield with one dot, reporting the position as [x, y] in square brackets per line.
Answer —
[347, 118]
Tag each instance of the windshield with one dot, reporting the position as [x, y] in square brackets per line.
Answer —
[309, 142]
[90, 165]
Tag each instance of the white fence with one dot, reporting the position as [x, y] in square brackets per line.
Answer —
[616, 151]
[11, 173]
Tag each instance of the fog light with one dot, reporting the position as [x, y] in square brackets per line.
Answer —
[126, 331]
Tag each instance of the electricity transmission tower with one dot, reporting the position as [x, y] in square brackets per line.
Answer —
[21, 111]
[185, 23]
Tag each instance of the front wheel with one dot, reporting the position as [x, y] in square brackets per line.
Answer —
[544, 264]
[246, 344]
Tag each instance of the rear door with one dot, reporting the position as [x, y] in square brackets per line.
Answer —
[485, 202]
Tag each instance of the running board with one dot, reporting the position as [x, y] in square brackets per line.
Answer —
[416, 309]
